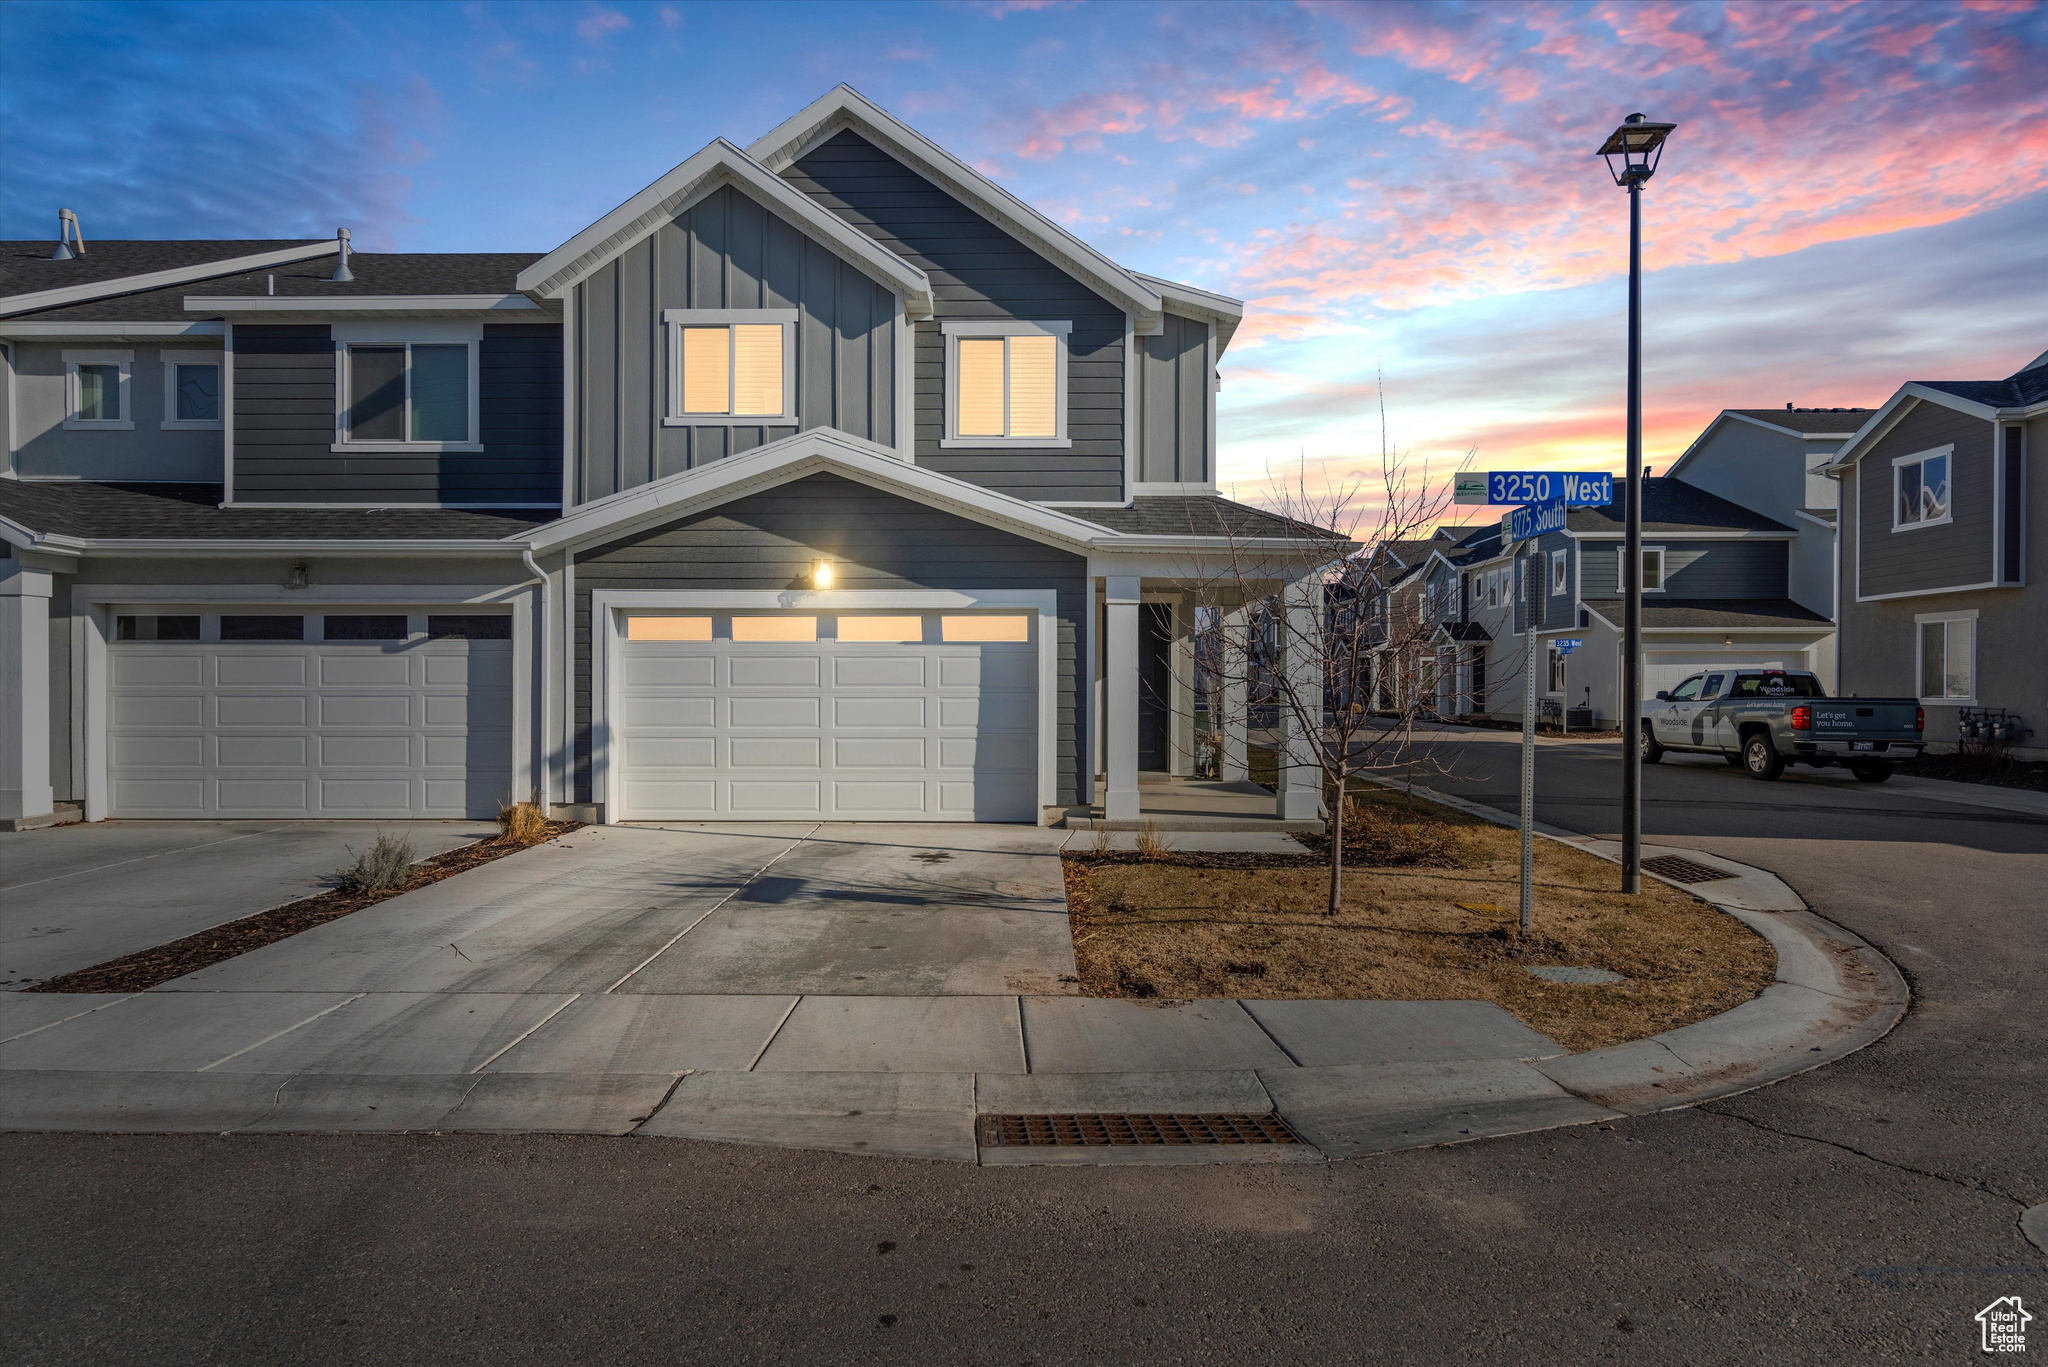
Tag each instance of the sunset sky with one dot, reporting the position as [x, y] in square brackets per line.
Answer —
[1857, 194]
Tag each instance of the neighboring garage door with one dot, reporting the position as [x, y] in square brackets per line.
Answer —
[265, 714]
[1666, 669]
[864, 717]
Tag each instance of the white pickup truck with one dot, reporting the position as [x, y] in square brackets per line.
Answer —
[1764, 719]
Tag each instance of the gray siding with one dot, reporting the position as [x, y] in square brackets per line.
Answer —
[1694, 569]
[1556, 610]
[1174, 407]
[46, 449]
[725, 252]
[979, 271]
[1932, 557]
[875, 540]
[284, 425]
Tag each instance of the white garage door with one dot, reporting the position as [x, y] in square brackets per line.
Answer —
[870, 717]
[1666, 669]
[350, 714]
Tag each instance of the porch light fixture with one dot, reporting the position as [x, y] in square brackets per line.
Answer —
[821, 574]
[295, 577]
[1632, 152]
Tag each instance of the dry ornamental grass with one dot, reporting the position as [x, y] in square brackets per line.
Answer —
[1429, 913]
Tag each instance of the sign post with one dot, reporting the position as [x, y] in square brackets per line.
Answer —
[1528, 747]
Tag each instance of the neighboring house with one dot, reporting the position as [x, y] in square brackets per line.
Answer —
[820, 479]
[1944, 514]
[1715, 592]
[1770, 461]
[1427, 654]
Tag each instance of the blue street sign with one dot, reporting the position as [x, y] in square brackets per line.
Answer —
[1573, 488]
[1536, 519]
[1569, 644]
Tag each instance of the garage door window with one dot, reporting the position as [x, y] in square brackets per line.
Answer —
[895, 630]
[381, 626]
[261, 628]
[469, 627]
[157, 628]
[668, 628]
[775, 628]
[986, 628]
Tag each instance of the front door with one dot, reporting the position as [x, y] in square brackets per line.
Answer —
[1671, 719]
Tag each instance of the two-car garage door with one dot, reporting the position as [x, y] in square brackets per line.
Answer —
[845, 716]
[268, 714]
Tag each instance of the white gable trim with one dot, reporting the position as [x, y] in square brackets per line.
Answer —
[1219, 310]
[716, 165]
[844, 107]
[152, 280]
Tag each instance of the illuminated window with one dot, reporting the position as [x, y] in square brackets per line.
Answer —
[881, 628]
[668, 628]
[986, 627]
[728, 365]
[777, 628]
[1006, 383]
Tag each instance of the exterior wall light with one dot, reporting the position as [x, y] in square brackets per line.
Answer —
[295, 577]
[821, 574]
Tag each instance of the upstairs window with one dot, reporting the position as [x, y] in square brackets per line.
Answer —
[1920, 492]
[1006, 383]
[409, 395]
[96, 390]
[730, 366]
[1559, 573]
[191, 391]
[1653, 570]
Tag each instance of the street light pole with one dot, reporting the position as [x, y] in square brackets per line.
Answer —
[1639, 144]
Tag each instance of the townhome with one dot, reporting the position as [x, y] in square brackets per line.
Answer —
[1942, 516]
[819, 479]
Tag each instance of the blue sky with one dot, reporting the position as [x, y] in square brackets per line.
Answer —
[1857, 194]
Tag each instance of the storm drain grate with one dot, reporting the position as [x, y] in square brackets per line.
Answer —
[1683, 870]
[1003, 1131]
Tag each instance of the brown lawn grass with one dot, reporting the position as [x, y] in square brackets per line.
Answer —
[1186, 926]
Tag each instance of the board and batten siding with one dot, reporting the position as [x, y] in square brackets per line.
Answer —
[979, 271]
[284, 410]
[875, 540]
[1926, 558]
[1175, 407]
[1732, 569]
[726, 251]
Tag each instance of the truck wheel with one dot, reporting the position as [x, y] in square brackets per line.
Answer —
[1652, 751]
[1870, 771]
[1761, 757]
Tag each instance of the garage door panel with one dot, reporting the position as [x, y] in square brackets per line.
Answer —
[256, 752]
[365, 795]
[958, 671]
[871, 798]
[875, 713]
[773, 671]
[162, 796]
[756, 795]
[161, 671]
[445, 711]
[776, 752]
[362, 667]
[234, 671]
[354, 709]
[262, 796]
[777, 712]
[373, 752]
[878, 671]
[158, 752]
[902, 752]
[158, 711]
[675, 752]
[239, 710]
[662, 666]
[639, 712]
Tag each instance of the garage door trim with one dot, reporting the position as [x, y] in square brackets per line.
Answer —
[608, 610]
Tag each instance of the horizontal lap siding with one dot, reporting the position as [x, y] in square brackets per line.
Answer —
[979, 271]
[1695, 569]
[725, 252]
[284, 404]
[1956, 553]
[875, 541]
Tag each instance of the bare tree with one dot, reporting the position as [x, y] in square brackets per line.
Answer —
[1317, 624]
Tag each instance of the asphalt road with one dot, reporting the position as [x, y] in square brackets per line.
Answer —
[1862, 1212]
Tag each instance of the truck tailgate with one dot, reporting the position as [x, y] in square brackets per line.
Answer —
[1864, 718]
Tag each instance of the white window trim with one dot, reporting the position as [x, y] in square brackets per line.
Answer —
[348, 335]
[952, 330]
[1559, 573]
[1948, 513]
[171, 361]
[72, 361]
[1621, 570]
[1919, 675]
[674, 320]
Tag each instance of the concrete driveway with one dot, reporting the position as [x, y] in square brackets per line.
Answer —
[74, 896]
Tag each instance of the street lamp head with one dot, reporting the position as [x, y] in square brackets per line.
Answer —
[1633, 150]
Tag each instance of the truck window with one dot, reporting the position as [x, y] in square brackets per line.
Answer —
[1712, 687]
[1777, 686]
[1687, 691]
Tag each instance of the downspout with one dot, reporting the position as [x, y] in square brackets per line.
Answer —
[544, 768]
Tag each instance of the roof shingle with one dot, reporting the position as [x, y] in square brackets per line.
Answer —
[376, 273]
[193, 512]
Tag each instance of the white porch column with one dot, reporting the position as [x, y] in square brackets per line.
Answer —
[1120, 687]
[1232, 717]
[1180, 762]
[1299, 792]
[24, 690]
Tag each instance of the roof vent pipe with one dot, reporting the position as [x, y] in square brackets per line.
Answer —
[341, 270]
[67, 236]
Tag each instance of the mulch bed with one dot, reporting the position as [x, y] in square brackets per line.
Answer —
[147, 968]
[2031, 775]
